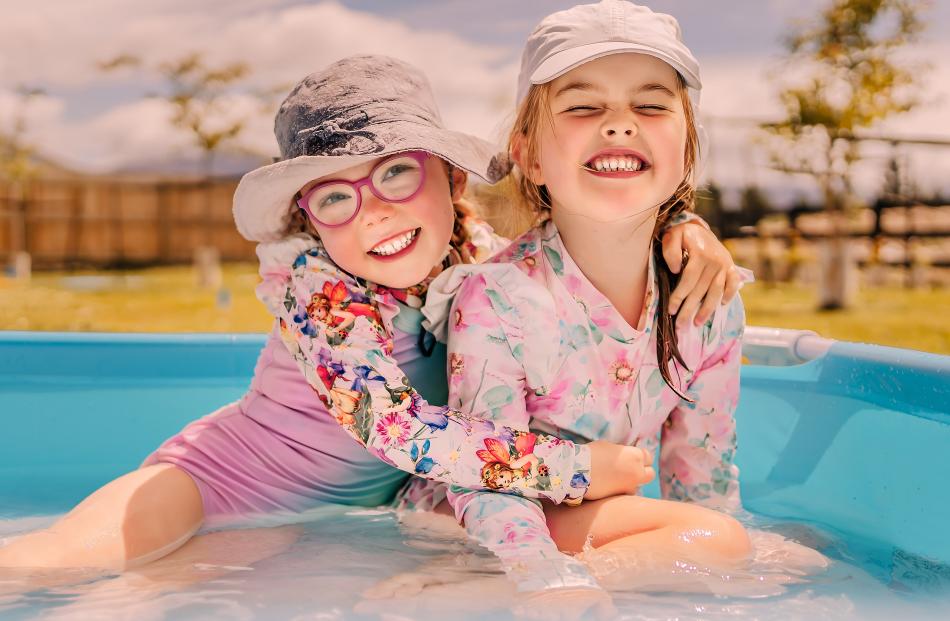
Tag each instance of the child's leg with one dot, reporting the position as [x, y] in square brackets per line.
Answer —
[636, 523]
[136, 518]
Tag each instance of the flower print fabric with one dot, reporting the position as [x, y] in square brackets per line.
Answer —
[339, 330]
[533, 345]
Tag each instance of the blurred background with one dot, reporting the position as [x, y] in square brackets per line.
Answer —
[124, 128]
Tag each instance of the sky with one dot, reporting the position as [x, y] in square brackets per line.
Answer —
[96, 121]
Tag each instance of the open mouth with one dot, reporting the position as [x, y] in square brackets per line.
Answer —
[396, 245]
[616, 164]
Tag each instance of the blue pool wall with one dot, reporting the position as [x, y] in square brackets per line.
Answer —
[857, 439]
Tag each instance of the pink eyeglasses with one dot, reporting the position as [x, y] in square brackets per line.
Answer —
[396, 179]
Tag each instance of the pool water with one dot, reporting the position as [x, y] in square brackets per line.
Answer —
[318, 569]
[845, 454]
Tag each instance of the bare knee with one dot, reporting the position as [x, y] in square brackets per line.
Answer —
[718, 536]
[161, 514]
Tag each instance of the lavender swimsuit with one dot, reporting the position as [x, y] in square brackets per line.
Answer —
[335, 411]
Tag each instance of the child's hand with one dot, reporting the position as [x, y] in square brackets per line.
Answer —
[617, 469]
[566, 604]
[710, 276]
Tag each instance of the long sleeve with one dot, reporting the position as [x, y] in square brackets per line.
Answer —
[698, 440]
[339, 331]
[488, 381]
[515, 530]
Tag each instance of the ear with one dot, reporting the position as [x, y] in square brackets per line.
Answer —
[459, 182]
[531, 170]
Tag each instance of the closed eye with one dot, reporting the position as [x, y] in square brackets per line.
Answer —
[581, 109]
[654, 108]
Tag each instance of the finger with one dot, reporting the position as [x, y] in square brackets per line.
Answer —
[694, 299]
[648, 474]
[673, 249]
[647, 456]
[733, 282]
[711, 301]
[691, 275]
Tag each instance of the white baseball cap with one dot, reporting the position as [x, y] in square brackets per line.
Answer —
[570, 38]
[567, 39]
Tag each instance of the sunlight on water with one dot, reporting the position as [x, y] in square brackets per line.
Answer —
[319, 565]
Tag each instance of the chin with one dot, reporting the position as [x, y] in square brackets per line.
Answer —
[405, 278]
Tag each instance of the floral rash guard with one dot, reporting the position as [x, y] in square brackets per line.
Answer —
[534, 347]
[339, 329]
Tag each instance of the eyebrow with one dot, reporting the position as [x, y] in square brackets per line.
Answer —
[587, 86]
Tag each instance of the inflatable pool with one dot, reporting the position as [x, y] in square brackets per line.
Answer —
[847, 443]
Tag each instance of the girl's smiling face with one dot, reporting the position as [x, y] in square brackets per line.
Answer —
[390, 243]
[615, 143]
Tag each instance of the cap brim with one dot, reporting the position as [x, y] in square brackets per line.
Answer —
[263, 199]
[560, 63]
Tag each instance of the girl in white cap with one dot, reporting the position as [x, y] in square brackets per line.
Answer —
[570, 330]
[363, 209]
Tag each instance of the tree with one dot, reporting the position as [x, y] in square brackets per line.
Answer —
[197, 93]
[16, 168]
[16, 155]
[854, 80]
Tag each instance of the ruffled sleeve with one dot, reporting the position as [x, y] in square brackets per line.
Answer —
[496, 315]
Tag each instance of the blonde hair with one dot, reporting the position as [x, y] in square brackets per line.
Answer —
[526, 132]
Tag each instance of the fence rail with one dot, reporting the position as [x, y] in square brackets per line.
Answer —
[107, 223]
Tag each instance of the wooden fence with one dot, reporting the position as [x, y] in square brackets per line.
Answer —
[108, 223]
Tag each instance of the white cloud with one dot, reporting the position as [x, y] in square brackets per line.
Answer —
[57, 43]
[281, 45]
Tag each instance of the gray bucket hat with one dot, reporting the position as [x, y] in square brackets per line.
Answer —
[356, 110]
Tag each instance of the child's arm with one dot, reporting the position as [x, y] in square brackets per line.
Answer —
[698, 441]
[487, 381]
[353, 371]
[515, 530]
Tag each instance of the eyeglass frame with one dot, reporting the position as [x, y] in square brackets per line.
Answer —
[420, 156]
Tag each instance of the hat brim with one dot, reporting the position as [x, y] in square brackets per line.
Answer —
[561, 62]
[263, 199]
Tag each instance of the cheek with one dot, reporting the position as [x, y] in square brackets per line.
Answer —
[672, 147]
[437, 217]
[343, 247]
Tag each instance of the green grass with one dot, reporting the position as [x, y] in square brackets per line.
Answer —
[151, 300]
[911, 318]
[168, 300]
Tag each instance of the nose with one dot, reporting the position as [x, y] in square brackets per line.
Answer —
[374, 210]
[619, 125]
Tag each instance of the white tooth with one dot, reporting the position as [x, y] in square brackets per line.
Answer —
[637, 164]
[395, 246]
[614, 163]
[628, 163]
[599, 165]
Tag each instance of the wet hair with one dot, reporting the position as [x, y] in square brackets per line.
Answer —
[534, 111]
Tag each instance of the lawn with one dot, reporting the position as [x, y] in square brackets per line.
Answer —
[168, 300]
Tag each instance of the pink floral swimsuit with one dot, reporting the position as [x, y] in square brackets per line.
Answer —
[533, 346]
